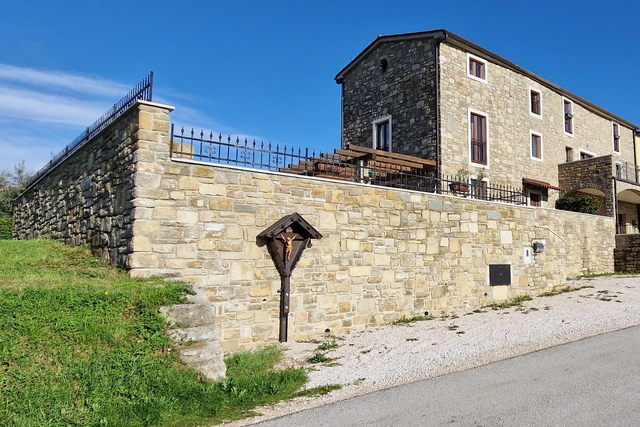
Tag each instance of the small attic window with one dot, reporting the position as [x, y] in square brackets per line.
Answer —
[383, 65]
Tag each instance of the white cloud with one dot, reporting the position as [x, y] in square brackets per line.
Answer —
[43, 111]
[60, 80]
[42, 107]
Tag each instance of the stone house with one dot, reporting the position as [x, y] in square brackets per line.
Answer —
[438, 96]
[157, 203]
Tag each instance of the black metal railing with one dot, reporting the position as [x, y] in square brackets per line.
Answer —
[626, 171]
[143, 91]
[238, 152]
[265, 156]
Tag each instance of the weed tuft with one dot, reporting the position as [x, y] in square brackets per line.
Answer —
[405, 320]
[515, 302]
[328, 345]
[318, 357]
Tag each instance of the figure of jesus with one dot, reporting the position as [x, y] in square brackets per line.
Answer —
[288, 241]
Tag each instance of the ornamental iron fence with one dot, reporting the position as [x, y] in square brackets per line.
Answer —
[357, 167]
[143, 91]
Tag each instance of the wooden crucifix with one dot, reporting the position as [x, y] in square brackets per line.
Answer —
[286, 240]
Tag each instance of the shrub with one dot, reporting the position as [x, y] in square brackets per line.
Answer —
[6, 228]
[583, 204]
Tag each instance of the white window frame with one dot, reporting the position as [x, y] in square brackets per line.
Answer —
[568, 150]
[573, 123]
[581, 150]
[539, 92]
[538, 192]
[374, 130]
[539, 135]
[469, 146]
[486, 68]
[613, 138]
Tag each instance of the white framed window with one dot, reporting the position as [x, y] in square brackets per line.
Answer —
[534, 198]
[615, 134]
[584, 154]
[535, 103]
[382, 133]
[478, 138]
[535, 145]
[568, 152]
[567, 114]
[476, 68]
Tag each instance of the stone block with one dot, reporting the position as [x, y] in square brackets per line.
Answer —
[240, 271]
[212, 189]
[361, 271]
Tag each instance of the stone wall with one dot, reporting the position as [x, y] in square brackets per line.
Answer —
[627, 253]
[384, 254]
[596, 173]
[406, 90]
[88, 199]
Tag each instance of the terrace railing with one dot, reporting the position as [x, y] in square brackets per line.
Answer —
[143, 91]
[356, 167]
[627, 171]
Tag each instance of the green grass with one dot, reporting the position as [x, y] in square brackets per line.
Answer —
[564, 289]
[328, 345]
[318, 357]
[404, 320]
[515, 302]
[81, 344]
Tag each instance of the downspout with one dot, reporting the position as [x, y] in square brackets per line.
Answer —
[342, 116]
[615, 202]
[438, 118]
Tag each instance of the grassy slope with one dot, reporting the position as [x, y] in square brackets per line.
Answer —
[81, 344]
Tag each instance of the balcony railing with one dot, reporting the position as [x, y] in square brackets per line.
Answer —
[361, 167]
[627, 171]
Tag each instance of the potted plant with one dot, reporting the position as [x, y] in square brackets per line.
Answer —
[460, 181]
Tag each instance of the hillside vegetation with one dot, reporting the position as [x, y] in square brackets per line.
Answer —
[81, 344]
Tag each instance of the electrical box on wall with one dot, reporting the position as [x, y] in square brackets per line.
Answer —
[499, 274]
[527, 256]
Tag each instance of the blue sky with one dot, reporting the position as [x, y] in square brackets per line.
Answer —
[265, 69]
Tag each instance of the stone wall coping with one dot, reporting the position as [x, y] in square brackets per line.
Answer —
[153, 104]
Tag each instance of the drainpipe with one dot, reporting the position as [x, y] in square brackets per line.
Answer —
[438, 123]
[342, 116]
[615, 202]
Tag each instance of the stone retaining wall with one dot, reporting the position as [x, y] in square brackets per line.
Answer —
[385, 253]
[89, 198]
[627, 253]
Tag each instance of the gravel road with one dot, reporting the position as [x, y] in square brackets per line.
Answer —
[387, 356]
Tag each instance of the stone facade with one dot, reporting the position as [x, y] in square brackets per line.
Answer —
[406, 89]
[88, 199]
[503, 98]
